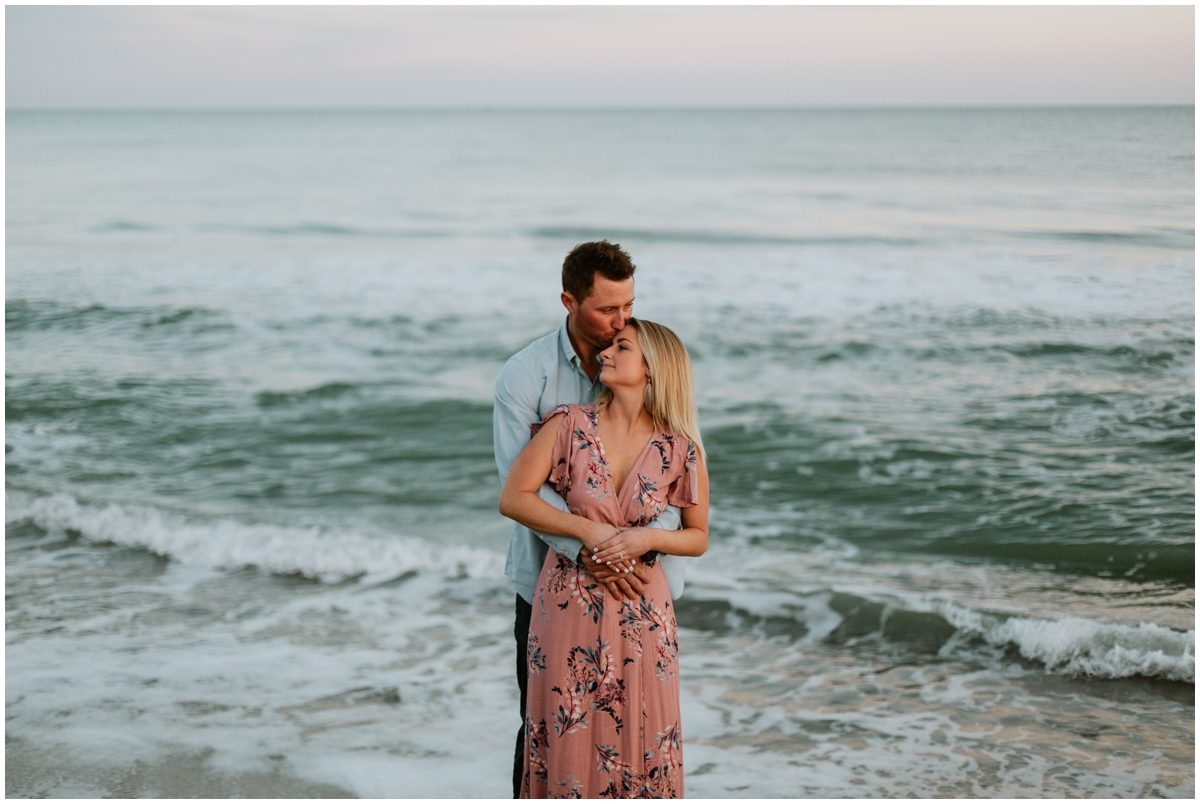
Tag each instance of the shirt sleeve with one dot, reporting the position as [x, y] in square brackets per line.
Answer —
[515, 408]
[684, 491]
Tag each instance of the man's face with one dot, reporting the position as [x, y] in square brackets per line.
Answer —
[599, 317]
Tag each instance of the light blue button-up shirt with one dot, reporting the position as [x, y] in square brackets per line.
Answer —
[545, 374]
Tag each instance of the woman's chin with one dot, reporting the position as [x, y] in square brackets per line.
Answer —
[611, 380]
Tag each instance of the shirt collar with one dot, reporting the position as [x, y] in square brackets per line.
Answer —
[564, 342]
[568, 351]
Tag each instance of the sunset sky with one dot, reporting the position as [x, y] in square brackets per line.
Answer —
[581, 57]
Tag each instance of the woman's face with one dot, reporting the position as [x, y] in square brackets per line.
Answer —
[622, 364]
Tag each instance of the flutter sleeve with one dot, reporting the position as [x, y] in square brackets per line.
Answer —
[560, 457]
[684, 491]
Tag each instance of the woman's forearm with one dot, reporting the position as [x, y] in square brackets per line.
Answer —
[686, 542]
[635, 542]
[536, 514]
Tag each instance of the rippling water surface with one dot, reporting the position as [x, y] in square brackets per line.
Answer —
[945, 362]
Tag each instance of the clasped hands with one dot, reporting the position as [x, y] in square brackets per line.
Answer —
[613, 558]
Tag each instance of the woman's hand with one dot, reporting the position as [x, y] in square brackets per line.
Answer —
[595, 534]
[626, 546]
[598, 533]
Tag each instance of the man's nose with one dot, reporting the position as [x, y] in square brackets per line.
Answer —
[619, 321]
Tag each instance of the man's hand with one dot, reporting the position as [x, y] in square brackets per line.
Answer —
[622, 585]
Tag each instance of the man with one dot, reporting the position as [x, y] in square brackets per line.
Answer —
[562, 368]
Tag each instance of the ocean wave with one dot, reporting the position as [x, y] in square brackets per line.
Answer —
[23, 314]
[325, 229]
[316, 553]
[330, 390]
[1165, 237]
[950, 341]
[1077, 646]
[709, 237]
[1070, 646]
[126, 226]
[31, 315]
[299, 229]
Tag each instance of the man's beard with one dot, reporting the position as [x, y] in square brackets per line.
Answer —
[604, 341]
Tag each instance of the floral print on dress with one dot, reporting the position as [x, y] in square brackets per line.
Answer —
[579, 583]
[644, 492]
[602, 716]
[644, 619]
[569, 787]
[535, 662]
[663, 445]
[592, 686]
[660, 773]
[535, 751]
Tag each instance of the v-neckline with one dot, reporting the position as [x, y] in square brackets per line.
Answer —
[612, 481]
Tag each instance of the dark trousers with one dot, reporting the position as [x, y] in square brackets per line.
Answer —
[521, 634]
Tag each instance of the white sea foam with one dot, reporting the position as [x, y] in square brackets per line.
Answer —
[225, 543]
[1077, 646]
[1067, 645]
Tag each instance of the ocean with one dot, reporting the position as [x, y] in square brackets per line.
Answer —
[945, 369]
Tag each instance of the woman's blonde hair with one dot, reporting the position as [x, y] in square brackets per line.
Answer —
[670, 394]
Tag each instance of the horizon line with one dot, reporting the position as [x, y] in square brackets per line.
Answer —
[632, 108]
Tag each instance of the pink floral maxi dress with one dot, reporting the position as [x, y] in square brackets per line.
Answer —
[602, 708]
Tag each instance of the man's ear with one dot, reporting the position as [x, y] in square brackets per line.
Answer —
[568, 301]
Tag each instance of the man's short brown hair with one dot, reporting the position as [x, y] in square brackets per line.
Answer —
[588, 259]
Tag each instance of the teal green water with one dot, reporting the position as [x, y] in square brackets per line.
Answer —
[945, 363]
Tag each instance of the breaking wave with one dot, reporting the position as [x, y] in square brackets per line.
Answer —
[1077, 646]
[1071, 646]
[225, 544]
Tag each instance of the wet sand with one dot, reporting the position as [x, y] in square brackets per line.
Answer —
[34, 771]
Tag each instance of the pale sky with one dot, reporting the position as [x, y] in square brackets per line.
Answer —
[615, 56]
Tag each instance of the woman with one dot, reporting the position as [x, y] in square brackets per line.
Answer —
[602, 712]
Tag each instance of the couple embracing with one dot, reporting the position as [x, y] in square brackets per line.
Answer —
[598, 446]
